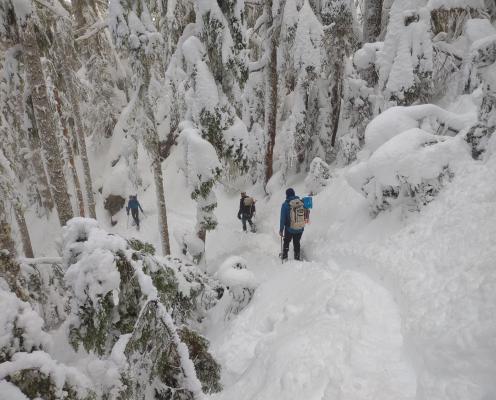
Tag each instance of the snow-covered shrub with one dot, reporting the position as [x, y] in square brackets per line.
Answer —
[38, 376]
[93, 278]
[142, 247]
[196, 292]
[483, 69]
[44, 282]
[207, 369]
[240, 282]
[10, 272]
[211, 112]
[201, 167]
[396, 120]
[124, 306]
[159, 362]
[358, 106]
[409, 169]
[364, 60]
[318, 176]
[20, 326]
[478, 137]
[405, 61]
[24, 361]
[191, 246]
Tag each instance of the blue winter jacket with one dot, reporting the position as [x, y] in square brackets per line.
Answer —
[285, 221]
[133, 204]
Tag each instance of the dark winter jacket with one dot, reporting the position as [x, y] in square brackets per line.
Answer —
[285, 221]
[133, 204]
[246, 211]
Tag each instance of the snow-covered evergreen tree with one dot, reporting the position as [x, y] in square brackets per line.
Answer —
[25, 19]
[202, 169]
[134, 31]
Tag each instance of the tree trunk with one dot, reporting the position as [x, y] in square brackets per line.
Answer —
[336, 94]
[372, 20]
[270, 96]
[23, 229]
[37, 160]
[70, 154]
[44, 121]
[153, 144]
[162, 211]
[71, 91]
[6, 242]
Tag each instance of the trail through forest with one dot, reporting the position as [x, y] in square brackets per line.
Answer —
[313, 330]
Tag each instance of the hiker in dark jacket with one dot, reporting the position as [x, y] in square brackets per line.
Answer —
[246, 211]
[292, 223]
[134, 205]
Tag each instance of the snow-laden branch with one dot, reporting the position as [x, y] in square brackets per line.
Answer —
[92, 30]
[41, 260]
[255, 3]
[59, 11]
[260, 22]
[256, 66]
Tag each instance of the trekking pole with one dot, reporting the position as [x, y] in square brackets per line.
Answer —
[127, 222]
[282, 249]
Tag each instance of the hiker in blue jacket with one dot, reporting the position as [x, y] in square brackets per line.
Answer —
[133, 205]
[292, 223]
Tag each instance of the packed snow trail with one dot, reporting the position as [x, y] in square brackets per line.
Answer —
[312, 330]
[411, 295]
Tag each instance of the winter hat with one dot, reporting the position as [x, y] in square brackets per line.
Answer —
[290, 192]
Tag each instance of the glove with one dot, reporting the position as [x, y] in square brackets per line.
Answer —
[239, 216]
[281, 234]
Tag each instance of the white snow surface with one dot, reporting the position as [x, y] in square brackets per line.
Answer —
[397, 307]
[396, 120]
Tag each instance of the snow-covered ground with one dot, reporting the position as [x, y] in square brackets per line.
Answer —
[396, 307]
[400, 306]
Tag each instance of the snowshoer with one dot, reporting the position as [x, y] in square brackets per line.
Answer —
[134, 205]
[292, 223]
[246, 211]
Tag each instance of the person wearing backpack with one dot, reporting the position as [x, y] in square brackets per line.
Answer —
[246, 211]
[134, 205]
[292, 223]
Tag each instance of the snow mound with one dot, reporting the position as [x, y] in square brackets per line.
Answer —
[478, 28]
[395, 120]
[414, 164]
[234, 272]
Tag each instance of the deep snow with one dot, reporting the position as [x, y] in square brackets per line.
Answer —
[400, 306]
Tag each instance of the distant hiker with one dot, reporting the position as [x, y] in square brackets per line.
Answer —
[292, 223]
[133, 205]
[246, 210]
